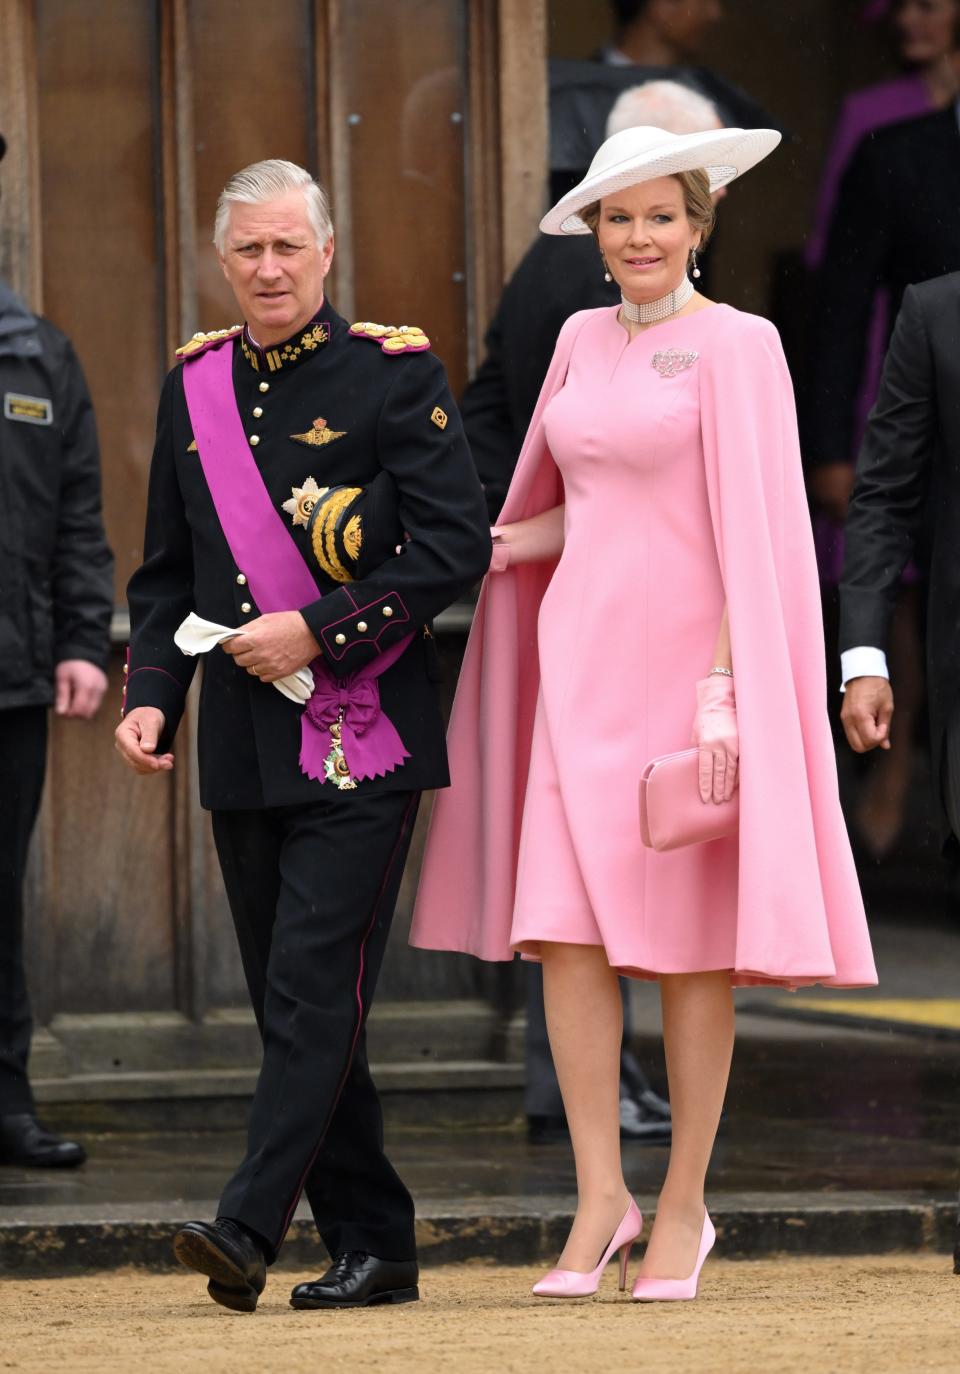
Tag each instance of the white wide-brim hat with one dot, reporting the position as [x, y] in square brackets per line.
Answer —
[644, 153]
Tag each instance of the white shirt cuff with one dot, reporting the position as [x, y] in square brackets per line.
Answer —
[863, 661]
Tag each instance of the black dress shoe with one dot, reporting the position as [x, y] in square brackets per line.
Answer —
[24, 1141]
[229, 1256]
[356, 1279]
[638, 1122]
[635, 1083]
[654, 1104]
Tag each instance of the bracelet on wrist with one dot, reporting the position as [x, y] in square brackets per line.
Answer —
[723, 672]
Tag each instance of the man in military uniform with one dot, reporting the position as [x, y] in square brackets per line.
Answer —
[56, 574]
[291, 454]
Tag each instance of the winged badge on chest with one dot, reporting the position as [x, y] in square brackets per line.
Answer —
[319, 434]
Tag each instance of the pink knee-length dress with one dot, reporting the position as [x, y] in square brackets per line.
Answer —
[626, 627]
[677, 460]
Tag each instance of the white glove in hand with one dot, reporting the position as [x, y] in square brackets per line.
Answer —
[198, 636]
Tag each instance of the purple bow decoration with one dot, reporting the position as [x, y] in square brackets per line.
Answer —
[371, 745]
[280, 579]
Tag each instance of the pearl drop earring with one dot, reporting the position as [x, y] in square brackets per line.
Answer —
[696, 270]
[606, 269]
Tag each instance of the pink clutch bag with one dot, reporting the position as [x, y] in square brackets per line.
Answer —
[671, 812]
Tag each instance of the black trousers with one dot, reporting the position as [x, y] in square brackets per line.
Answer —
[950, 771]
[312, 891]
[23, 752]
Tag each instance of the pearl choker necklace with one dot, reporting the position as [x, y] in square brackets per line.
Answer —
[650, 312]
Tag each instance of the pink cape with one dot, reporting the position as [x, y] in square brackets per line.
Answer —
[800, 913]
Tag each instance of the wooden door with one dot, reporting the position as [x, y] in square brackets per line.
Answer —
[123, 119]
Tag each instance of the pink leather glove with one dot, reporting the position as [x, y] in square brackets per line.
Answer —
[715, 734]
[500, 557]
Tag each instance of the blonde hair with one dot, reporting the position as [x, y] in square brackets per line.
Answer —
[697, 201]
[268, 180]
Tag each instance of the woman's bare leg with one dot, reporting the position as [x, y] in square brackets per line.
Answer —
[585, 1022]
[698, 1044]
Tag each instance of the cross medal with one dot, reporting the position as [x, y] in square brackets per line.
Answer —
[335, 766]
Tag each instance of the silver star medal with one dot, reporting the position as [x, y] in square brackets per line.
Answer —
[303, 500]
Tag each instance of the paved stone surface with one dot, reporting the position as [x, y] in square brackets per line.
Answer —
[865, 1316]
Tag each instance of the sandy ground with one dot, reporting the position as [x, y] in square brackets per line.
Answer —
[888, 1314]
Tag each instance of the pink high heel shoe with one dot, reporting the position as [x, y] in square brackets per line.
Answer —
[677, 1290]
[570, 1283]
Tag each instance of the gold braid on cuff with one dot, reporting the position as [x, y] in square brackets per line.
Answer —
[324, 521]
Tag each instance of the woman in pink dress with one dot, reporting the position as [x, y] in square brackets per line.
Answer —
[654, 577]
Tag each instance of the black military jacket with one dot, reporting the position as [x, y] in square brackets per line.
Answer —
[339, 409]
[56, 569]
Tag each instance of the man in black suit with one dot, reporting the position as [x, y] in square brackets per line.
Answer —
[910, 452]
[312, 855]
[897, 222]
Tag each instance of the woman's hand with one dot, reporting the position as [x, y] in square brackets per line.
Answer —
[528, 541]
[716, 736]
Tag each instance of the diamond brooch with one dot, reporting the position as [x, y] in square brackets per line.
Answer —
[670, 361]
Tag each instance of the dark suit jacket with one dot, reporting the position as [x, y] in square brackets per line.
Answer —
[556, 278]
[908, 489]
[897, 222]
[56, 570]
[388, 414]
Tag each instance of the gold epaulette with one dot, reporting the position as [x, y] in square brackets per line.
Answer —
[405, 338]
[202, 341]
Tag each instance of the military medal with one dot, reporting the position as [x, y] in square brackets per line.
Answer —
[303, 500]
[335, 766]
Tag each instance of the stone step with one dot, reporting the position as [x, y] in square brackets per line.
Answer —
[117, 1045]
[56, 1241]
[453, 1092]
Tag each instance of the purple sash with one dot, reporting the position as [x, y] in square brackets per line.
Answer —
[280, 580]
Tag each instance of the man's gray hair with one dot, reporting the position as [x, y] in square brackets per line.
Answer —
[269, 180]
[663, 105]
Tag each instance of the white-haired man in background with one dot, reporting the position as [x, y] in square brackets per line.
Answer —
[558, 276]
[313, 788]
